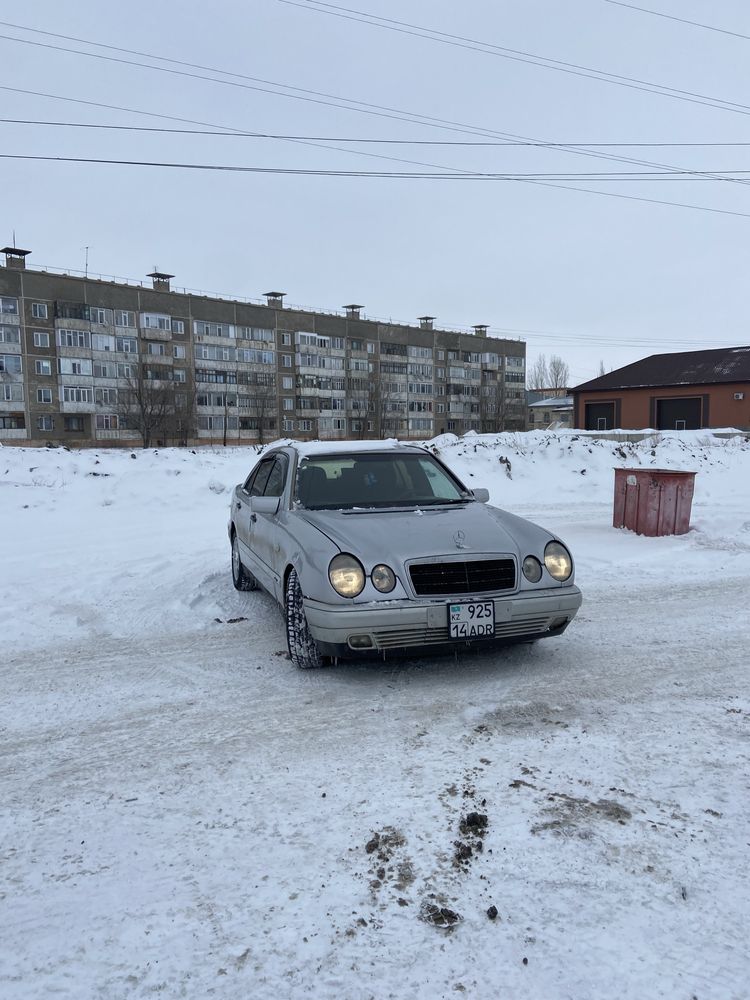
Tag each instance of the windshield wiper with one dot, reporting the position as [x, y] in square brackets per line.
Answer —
[436, 501]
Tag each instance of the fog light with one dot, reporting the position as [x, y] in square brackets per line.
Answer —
[559, 622]
[360, 641]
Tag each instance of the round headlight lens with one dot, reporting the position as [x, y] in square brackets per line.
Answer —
[558, 562]
[532, 569]
[383, 578]
[346, 575]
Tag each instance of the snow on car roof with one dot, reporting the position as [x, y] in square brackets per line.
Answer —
[307, 448]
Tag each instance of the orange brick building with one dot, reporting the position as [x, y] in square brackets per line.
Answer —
[683, 391]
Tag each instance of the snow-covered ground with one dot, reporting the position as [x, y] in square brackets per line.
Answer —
[183, 814]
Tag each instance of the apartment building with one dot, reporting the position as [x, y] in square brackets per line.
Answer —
[86, 361]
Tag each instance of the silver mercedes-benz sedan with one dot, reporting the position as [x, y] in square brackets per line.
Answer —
[377, 547]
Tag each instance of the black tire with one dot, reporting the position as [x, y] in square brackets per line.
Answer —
[241, 578]
[303, 650]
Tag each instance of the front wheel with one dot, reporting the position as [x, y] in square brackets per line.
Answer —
[303, 650]
[241, 578]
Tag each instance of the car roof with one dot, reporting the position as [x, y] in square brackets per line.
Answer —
[307, 449]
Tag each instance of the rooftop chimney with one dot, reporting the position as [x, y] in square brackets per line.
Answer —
[352, 310]
[275, 299]
[160, 280]
[480, 329]
[425, 322]
[15, 257]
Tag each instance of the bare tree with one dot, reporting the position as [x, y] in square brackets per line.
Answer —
[538, 376]
[146, 403]
[263, 408]
[559, 373]
[179, 425]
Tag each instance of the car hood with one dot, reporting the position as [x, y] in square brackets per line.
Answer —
[401, 535]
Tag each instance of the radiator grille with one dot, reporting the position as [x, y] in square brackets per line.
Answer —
[478, 576]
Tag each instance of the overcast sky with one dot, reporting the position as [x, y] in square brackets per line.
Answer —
[589, 277]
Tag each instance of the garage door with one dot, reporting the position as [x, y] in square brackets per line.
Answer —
[681, 414]
[600, 416]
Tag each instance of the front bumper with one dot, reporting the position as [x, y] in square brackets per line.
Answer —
[412, 624]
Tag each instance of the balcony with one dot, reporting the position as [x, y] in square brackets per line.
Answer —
[10, 434]
[154, 333]
[78, 407]
[12, 406]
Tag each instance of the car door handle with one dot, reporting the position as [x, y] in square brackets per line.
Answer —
[238, 505]
[253, 517]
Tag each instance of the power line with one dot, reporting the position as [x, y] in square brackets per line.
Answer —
[429, 121]
[682, 20]
[465, 175]
[360, 139]
[317, 98]
[516, 55]
[563, 187]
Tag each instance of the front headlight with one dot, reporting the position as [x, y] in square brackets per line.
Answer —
[558, 562]
[383, 578]
[532, 569]
[346, 575]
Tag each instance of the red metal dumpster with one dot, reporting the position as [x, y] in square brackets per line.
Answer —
[653, 501]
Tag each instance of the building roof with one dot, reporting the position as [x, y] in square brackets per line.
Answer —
[724, 364]
[553, 403]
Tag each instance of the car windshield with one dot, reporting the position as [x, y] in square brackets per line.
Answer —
[351, 480]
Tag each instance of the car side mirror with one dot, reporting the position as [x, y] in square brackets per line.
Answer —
[265, 505]
[481, 495]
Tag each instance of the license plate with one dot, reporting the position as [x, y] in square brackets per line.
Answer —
[469, 621]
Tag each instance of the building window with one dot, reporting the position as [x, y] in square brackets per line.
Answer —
[39, 310]
[105, 397]
[305, 425]
[10, 335]
[8, 305]
[286, 360]
[77, 394]
[74, 366]
[73, 423]
[179, 375]
[44, 395]
[287, 382]
[178, 351]
[13, 422]
[203, 328]
[156, 321]
[157, 348]
[286, 339]
[338, 424]
[126, 345]
[10, 364]
[370, 347]
[102, 342]
[106, 422]
[101, 316]
[287, 425]
[43, 366]
[11, 392]
[73, 338]
[124, 318]
[46, 423]
[287, 404]
[178, 327]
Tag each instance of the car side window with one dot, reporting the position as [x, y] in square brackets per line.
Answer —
[275, 483]
[261, 477]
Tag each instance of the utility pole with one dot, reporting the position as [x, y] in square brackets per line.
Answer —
[86, 271]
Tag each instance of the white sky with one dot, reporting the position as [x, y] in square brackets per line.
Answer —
[590, 278]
